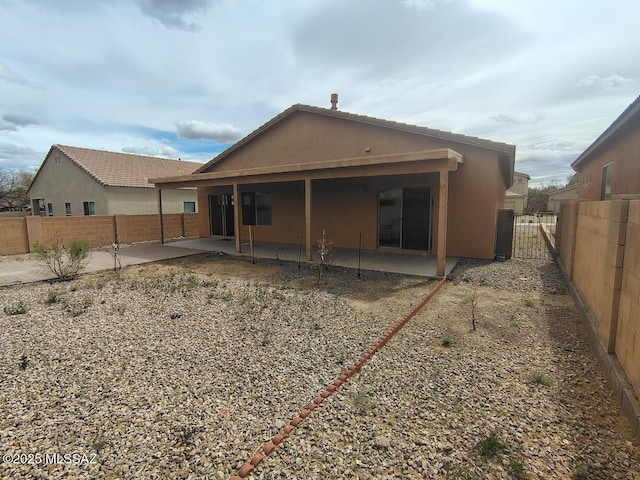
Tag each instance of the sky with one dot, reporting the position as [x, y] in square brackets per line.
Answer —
[187, 78]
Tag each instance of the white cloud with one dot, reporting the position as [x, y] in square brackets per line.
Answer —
[603, 84]
[172, 13]
[522, 119]
[9, 75]
[161, 151]
[219, 132]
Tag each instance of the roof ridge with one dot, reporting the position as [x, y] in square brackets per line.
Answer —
[60, 146]
[443, 134]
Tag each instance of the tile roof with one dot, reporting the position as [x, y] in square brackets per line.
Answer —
[431, 132]
[628, 114]
[122, 169]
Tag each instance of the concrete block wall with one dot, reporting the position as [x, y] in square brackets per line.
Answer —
[566, 235]
[13, 236]
[599, 253]
[97, 230]
[589, 270]
[17, 235]
[191, 224]
[138, 228]
[628, 329]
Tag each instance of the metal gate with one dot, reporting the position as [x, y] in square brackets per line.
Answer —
[528, 239]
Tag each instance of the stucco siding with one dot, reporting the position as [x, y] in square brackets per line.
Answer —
[624, 153]
[65, 182]
[135, 201]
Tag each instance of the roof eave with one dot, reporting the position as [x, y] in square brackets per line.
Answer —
[627, 115]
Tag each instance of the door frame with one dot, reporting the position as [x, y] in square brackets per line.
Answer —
[430, 219]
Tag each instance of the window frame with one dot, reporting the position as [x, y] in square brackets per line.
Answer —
[184, 207]
[50, 209]
[89, 208]
[607, 181]
[67, 209]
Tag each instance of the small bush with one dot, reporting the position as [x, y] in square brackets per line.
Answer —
[363, 401]
[17, 309]
[539, 378]
[446, 342]
[64, 261]
[490, 447]
[53, 296]
[517, 469]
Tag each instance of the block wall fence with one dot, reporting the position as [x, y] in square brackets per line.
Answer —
[598, 248]
[17, 235]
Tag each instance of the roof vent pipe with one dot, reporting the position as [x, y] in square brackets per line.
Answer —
[334, 101]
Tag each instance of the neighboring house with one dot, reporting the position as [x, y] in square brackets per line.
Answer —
[515, 201]
[518, 194]
[392, 185]
[560, 196]
[82, 181]
[611, 164]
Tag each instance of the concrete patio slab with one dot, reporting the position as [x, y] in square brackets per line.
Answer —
[404, 262]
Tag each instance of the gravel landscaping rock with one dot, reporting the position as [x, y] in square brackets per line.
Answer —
[185, 369]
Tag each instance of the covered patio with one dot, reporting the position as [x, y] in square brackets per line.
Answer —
[383, 261]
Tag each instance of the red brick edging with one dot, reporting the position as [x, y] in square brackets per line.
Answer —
[270, 446]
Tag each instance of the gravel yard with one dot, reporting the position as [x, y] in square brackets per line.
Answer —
[184, 369]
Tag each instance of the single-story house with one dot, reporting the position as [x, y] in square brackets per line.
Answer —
[81, 181]
[611, 164]
[397, 187]
[557, 197]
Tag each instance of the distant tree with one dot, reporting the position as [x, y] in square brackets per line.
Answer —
[13, 189]
[573, 179]
[538, 196]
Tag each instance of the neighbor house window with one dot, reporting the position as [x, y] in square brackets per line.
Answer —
[189, 207]
[607, 174]
[67, 209]
[50, 209]
[57, 160]
[520, 180]
[89, 208]
[256, 208]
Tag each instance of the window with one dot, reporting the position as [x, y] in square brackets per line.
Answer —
[57, 160]
[189, 207]
[50, 209]
[89, 208]
[520, 180]
[67, 209]
[256, 208]
[607, 174]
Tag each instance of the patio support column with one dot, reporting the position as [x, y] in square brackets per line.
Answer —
[236, 217]
[441, 247]
[307, 218]
[160, 214]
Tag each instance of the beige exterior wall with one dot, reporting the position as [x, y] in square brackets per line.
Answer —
[140, 201]
[624, 153]
[561, 196]
[346, 207]
[515, 203]
[66, 182]
[520, 184]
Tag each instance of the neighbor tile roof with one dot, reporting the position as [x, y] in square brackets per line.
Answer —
[431, 132]
[122, 169]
